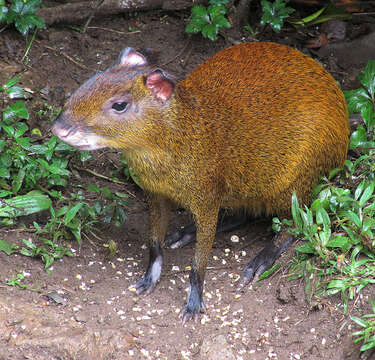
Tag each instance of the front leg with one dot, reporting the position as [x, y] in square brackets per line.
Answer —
[159, 213]
[206, 220]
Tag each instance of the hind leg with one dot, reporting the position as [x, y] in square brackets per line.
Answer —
[280, 242]
[187, 234]
[266, 258]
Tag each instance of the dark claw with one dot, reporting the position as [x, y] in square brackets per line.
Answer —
[187, 314]
[263, 261]
[149, 280]
[145, 284]
[194, 304]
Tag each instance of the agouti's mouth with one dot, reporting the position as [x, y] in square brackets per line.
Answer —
[82, 138]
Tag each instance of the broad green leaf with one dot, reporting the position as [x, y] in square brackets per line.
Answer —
[339, 242]
[367, 193]
[23, 26]
[20, 129]
[358, 321]
[72, 213]
[16, 110]
[269, 272]
[11, 82]
[322, 217]
[8, 247]
[356, 100]
[199, 11]
[367, 112]
[306, 248]
[16, 92]
[17, 182]
[4, 173]
[24, 7]
[23, 205]
[367, 77]
[3, 13]
[368, 346]
[358, 138]
[354, 217]
[210, 31]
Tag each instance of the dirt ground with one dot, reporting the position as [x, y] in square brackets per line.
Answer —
[96, 315]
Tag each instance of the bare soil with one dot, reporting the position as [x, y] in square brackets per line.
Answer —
[95, 315]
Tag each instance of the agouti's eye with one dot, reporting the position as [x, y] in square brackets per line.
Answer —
[120, 106]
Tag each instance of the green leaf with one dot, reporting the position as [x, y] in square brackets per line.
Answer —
[367, 194]
[23, 25]
[34, 21]
[356, 100]
[216, 11]
[358, 321]
[306, 248]
[11, 82]
[354, 217]
[72, 213]
[367, 346]
[20, 129]
[17, 183]
[358, 138]
[3, 13]
[16, 110]
[210, 31]
[295, 211]
[16, 92]
[221, 22]
[367, 112]
[269, 272]
[8, 247]
[199, 11]
[4, 173]
[23, 205]
[367, 78]
[198, 20]
[359, 190]
[24, 7]
[85, 155]
[339, 242]
[322, 217]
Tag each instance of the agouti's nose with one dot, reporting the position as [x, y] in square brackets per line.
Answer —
[60, 128]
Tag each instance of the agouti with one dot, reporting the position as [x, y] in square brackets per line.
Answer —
[244, 130]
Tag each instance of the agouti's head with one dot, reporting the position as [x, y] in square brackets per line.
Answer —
[115, 107]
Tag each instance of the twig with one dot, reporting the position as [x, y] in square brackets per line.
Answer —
[106, 178]
[112, 30]
[65, 55]
[93, 12]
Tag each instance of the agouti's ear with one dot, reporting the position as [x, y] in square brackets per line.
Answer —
[130, 57]
[160, 85]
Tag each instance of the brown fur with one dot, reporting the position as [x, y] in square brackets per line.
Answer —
[244, 130]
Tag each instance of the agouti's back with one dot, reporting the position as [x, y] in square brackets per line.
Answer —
[272, 121]
[247, 128]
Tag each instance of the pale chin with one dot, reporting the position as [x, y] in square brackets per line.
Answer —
[88, 147]
[79, 139]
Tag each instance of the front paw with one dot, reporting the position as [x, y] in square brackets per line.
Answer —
[194, 304]
[192, 309]
[149, 280]
[145, 284]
